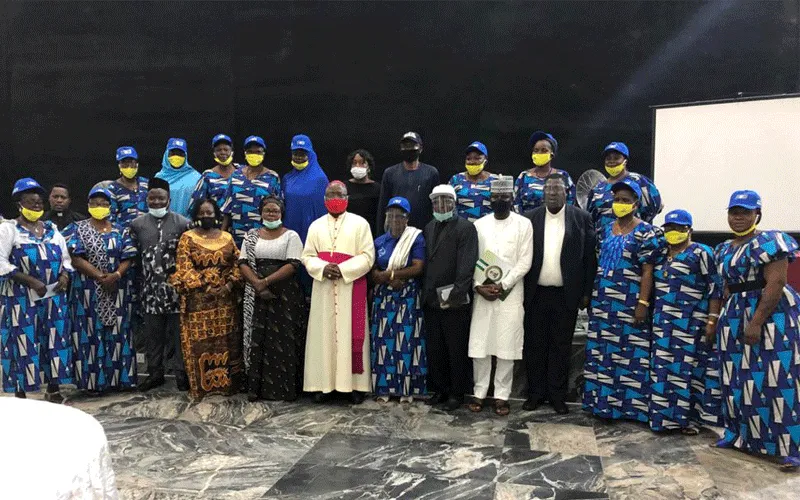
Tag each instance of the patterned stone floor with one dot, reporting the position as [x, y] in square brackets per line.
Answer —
[165, 447]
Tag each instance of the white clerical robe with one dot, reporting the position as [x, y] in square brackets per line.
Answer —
[328, 363]
[497, 327]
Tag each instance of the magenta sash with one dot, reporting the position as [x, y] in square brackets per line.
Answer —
[359, 311]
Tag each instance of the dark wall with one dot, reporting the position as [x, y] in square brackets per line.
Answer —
[80, 78]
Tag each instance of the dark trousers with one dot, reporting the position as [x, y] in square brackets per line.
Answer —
[162, 333]
[447, 344]
[549, 328]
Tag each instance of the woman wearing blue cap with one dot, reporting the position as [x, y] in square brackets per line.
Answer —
[684, 369]
[213, 183]
[101, 252]
[304, 187]
[759, 337]
[473, 186]
[247, 186]
[35, 270]
[529, 186]
[617, 367]
[601, 197]
[399, 364]
[182, 178]
[129, 192]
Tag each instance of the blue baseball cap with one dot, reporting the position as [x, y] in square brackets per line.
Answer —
[101, 191]
[221, 138]
[177, 143]
[479, 147]
[745, 198]
[258, 140]
[619, 147]
[301, 142]
[538, 136]
[679, 217]
[628, 183]
[399, 201]
[27, 184]
[126, 152]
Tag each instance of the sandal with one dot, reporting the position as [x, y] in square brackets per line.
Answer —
[723, 444]
[54, 397]
[690, 431]
[407, 399]
[476, 405]
[382, 399]
[790, 464]
[501, 407]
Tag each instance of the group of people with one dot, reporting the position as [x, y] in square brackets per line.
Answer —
[415, 288]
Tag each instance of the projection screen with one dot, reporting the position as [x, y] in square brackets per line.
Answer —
[703, 152]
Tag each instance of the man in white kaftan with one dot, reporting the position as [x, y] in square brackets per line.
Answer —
[498, 314]
[338, 254]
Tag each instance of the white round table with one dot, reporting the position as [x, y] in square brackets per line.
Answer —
[51, 451]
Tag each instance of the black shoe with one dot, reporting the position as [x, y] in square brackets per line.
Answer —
[151, 383]
[54, 397]
[453, 403]
[20, 395]
[531, 404]
[320, 397]
[356, 397]
[182, 381]
[436, 398]
[253, 397]
[560, 407]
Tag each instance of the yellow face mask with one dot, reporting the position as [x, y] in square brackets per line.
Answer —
[176, 161]
[99, 213]
[541, 159]
[622, 209]
[32, 215]
[474, 169]
[129, 172]
[254, 159]
[224, 163]
[745, 232]
[300, 166]
[615, 171]
[676, 237]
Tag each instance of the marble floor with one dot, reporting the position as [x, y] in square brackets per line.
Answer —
[166, 447]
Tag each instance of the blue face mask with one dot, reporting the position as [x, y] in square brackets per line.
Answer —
[158, 213]
[444, 217]
[273, 224]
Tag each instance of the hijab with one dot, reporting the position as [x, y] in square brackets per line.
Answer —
[181, 183]
[304, 192]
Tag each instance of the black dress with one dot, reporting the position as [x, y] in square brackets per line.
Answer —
[364, 202]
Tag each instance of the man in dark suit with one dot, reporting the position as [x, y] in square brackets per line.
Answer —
[559, 283]
[451, 247]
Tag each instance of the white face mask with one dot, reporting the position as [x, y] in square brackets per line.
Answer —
[158, 213]
[359, 172]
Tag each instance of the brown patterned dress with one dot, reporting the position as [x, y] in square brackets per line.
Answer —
[211, 339]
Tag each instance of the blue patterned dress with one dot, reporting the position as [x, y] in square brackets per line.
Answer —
[472, 198]
[760, 383]
[243, 198]
[35, 333]
[684, 369]
[212, 186]
[601, 198]
[617, 367]
[529, 190]
[399, 364]
[101, 323]
[126, 204]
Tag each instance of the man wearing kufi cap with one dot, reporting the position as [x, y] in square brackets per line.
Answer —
[505, 251]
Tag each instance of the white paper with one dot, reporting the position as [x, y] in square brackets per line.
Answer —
[51, 292]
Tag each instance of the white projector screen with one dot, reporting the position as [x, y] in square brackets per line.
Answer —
[703, 152]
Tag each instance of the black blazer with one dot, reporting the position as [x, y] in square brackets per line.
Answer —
[578, 257]
[450, 259]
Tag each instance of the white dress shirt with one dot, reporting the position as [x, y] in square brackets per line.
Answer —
[554, 228]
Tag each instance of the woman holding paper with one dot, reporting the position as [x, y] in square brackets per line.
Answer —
[399, 363]
[35, 269]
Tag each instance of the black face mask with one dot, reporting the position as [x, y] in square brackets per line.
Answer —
[501, 207]
[207, 222]
[410, 155]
